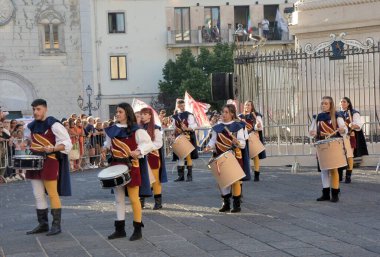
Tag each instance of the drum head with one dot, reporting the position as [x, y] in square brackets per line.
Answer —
[113, 171]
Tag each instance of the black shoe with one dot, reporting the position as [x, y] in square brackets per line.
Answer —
[334, 195]
[340, 172]
[257, 176]
[142, 201]
[43, 223]
[137, 231]
[226, 203]
[157, 202]
[325, 195]
[348, 177]
[236, 204]
[189, 177]
[181, 173]
[119, 230]
[56, 224]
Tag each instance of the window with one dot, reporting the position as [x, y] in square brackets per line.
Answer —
[211, 28]
[118, 66]
[112, 111]
[116, 23]
[51, 32]
[182, 24]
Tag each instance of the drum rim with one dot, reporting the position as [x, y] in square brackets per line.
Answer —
[115, 176]
[222, 155]
[328, 140]
[27, 157]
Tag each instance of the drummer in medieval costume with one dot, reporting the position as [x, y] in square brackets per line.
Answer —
[156, 160]
[129, 144]
[49, 139]
[184, 123]
[355, 134]
[328, 124]
[230, 134]
[254, 124]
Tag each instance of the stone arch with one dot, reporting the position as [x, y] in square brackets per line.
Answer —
[16, 92]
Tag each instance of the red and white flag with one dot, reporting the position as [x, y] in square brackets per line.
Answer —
[198, 109]
[137, 105]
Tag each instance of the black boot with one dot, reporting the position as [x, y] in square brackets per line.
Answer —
[43, 224]
[56, 224]
[119, 230]
[340, 172]
[257, 176]
[348, 176]
[189, 174]
[226, 203]
[157, 202]
[236, 204]
[142, 201]
[325, 195]
[181, 173]
[137, 231]
[334, 195]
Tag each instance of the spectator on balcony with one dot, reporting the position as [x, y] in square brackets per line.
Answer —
[265, 27]
[215, 34]
[205, 34]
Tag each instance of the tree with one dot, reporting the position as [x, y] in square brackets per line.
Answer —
[192, 74]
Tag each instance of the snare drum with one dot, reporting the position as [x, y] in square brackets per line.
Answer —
[226, 169]
[114, 176]
[255, 145]
[347, 145]
[331, 153]
[27, 162]
[182, 147]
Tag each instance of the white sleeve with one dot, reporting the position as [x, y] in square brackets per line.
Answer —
[356, 120]
[212, 141]
[27, 133]
[157, 139]
[62, 137]
[107, 144]
[144, 142]
[342, 124]
[313, 126]
[259, 120]
[192, 123]
[241, 138]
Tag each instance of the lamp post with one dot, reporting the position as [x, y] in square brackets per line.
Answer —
[89, 106]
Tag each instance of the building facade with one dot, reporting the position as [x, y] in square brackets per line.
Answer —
[40, 55]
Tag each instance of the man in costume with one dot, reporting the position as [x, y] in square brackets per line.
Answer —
[49, 139]
[184, 123]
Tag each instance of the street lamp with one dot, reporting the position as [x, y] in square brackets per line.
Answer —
[89, 106]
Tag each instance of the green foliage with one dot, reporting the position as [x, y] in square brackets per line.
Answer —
[192, 74]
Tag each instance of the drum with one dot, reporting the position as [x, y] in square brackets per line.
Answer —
[182, 147]
[331, 153]
[114, 176]
[27, 162]
[255, 145]
[226, 169]
[347, 145]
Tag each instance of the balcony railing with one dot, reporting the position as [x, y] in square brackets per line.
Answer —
[204, 37]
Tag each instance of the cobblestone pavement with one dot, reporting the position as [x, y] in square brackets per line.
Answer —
[279, 217]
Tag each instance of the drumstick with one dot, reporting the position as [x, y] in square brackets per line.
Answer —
[233, 137]
[330, 135]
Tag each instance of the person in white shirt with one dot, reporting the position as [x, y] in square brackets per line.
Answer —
[128, 144]
[326, 124]
[356, 137]
[50, 139]
[265, 27]
[185, 124]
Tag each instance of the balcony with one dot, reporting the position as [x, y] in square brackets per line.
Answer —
[198, 38]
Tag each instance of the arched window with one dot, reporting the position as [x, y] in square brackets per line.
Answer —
[50, 25]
